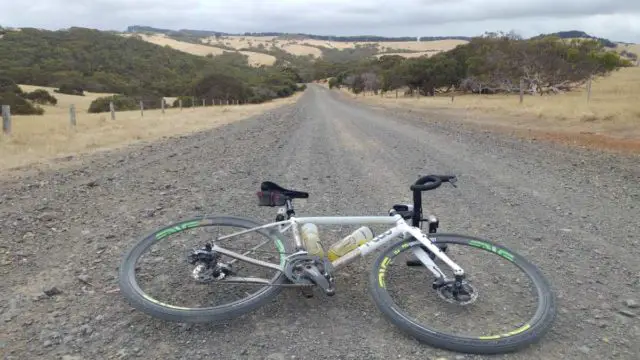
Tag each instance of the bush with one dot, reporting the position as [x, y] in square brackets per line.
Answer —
[70, 89]
[8, 85]
[41, 96]
[19, 105]
[120, 103]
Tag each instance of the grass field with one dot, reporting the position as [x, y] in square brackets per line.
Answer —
[64, 101]
[299, 47]
[613, 109]
[42, 138]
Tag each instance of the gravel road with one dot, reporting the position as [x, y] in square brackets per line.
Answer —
[573, 212]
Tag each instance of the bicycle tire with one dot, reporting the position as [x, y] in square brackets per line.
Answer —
[528, 334]
[136, 297]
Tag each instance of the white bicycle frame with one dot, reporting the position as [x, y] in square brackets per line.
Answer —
[400, 228]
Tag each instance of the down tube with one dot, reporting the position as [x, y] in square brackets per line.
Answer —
[368, 247]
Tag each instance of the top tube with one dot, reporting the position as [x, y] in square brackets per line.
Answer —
[348, 220]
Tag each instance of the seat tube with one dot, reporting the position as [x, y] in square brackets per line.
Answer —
[296, 236]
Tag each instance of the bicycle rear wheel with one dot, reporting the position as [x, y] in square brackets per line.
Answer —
[174, 294]
[424, 315]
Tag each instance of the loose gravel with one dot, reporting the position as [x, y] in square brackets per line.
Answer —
[573, 212]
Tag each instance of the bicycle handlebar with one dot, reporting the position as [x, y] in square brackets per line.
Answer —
[431, 182]
[425, 183]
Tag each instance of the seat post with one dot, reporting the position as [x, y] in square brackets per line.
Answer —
[417, 208]
[290, 210]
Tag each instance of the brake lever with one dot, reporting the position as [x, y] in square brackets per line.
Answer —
[453, 181]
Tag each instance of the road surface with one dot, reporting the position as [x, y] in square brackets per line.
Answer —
[573, 212]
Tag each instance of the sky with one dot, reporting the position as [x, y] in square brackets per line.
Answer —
[617, 20]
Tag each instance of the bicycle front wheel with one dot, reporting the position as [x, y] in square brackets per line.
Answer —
[509, 305]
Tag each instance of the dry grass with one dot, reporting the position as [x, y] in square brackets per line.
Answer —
[255, 59]
[410, 55]
[301, 50]
[612, 111]
[64, 101]
[43, 138]
[437, 45]
[309, 46]
[196, 49]
[294, 47]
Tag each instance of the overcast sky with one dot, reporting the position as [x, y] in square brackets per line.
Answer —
[618, 20]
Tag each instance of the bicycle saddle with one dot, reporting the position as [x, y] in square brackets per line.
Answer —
[273, 187]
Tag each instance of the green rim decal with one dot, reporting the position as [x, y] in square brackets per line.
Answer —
[382, 270]
[280, 247]
[483, 245]
[511, 333]
[177, 228]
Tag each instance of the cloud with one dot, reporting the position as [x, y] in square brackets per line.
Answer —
[614, 19]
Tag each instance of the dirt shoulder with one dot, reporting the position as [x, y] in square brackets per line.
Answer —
[609, 120]
[530, 128]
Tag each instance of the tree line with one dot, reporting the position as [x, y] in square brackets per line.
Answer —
[79, 59]
[494, 63]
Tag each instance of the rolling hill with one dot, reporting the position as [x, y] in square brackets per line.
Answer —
[259, 47]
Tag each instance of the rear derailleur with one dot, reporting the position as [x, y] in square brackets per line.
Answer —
[310, 270]
[208, 268]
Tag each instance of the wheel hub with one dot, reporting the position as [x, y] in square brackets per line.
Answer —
[462, 293]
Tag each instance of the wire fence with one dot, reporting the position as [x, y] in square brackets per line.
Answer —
[149, 104]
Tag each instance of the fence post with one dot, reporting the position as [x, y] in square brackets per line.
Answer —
[112, 110]
[162, 105]
[193, 101]
[180, 102]
[72, 115]
[589, 89]
[141, 108]
[6, 119]
[521, 90]
[203, 103]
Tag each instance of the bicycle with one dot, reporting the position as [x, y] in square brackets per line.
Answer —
[294, 267]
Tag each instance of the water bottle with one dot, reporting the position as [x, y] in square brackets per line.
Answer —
[311, 240]
[355, 239]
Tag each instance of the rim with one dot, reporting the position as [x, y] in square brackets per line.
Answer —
[164, 234]
[538, 283]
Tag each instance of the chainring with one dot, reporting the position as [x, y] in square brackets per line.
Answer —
[293, 269]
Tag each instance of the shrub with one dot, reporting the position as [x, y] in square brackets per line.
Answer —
[120, 102]
[19, 105]
[8, 85]
[70, 89]
[41, 96]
